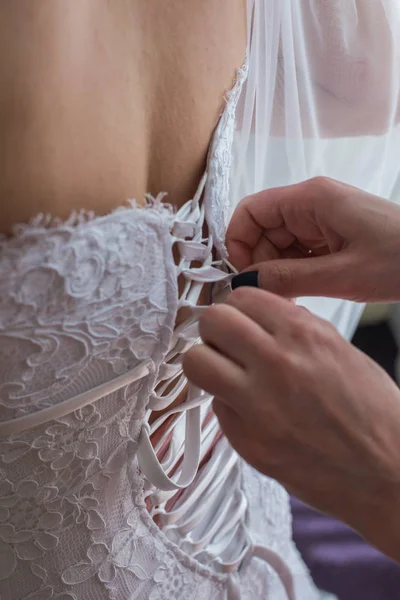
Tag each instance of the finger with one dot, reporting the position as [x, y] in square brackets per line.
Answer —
[240, 433]
[291, 253]
[274, 245]
[245, 234]
[281, 238]
[292, 208]
[230, 421]
[333, 276]
[269, 311]
[232, 333]
[280, 243]
[213, 373]
[264, 250]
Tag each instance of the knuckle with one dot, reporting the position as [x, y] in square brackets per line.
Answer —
[298, 327]
[324, 188]
[311, 331]
[316, 332]
[321, 182]
[280, 359]
[284, 367]
[246, 200]
[329, 329]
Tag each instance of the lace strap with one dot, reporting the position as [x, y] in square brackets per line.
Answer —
[66, 407]
[147, 457]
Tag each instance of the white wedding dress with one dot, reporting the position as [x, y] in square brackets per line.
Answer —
[88, 509]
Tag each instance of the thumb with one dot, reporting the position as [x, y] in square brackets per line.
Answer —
[333, 276]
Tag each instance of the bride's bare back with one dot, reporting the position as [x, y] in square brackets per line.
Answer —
[105, 100]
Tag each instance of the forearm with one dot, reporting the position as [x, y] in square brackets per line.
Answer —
[367, 494]
[379, 522]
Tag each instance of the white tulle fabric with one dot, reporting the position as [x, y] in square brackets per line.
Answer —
[322, 98]
[88, 509]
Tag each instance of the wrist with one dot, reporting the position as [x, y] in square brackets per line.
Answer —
[377, 519]
[385, 527]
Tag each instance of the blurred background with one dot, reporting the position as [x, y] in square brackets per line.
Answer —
[340, 561]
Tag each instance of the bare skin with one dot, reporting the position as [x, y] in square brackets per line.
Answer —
[102, 101]
[294, 398]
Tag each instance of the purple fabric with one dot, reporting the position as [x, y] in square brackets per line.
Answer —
[340, 561]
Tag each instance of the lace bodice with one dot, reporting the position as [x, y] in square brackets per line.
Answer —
[88, 350]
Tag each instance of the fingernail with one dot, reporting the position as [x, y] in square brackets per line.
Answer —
[247, 279]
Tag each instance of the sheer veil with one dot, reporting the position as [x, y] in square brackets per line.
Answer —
[322, 98]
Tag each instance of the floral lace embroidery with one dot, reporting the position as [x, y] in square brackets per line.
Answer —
[81, 303]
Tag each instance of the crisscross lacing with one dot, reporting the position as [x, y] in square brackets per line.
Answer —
[209, 520]
[206, 512]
